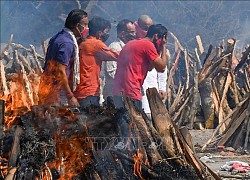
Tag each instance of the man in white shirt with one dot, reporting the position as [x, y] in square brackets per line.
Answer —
[125, 32]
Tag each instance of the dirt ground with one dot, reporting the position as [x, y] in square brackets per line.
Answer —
[219, 156]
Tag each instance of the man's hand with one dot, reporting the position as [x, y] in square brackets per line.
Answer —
[162, 94]
[73, 102]
[164, 39]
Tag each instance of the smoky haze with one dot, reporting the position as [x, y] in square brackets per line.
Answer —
[33, 21]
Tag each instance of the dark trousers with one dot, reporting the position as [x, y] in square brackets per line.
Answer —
[88, 101]
[118, 102]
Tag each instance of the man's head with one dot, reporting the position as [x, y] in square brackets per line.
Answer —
[99, 28]
[144, 22]
[126, 30]
[156, 33]
[77, 21]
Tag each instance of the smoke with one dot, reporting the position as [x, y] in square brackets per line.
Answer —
[33, 21]
[244, 35]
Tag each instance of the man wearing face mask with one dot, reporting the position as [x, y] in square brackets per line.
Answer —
[61, 72]
[154, 79]
[142, 25]
[92, 51]
[125, 32]
[135, 60]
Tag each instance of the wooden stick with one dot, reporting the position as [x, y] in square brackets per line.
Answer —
[35, 58]
[226, 87]
[187, 68]
[176, 41]
[2, 110]
[6, 49]
[233, 176]
[225, 119]
[248, 130]
[181, 108]
[199, 42]
[3, 82]
[243, 59]
[177, 99]
[197, 58]
[15, 148]
[27, 84]
[195, 98]
[232, 129]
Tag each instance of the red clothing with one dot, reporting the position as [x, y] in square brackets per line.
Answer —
[132, 67]
[91, 53]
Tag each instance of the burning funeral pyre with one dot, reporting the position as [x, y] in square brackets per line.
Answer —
[39, 142]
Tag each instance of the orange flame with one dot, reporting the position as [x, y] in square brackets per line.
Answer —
[72, 156]
[138, 163]
[3, 167]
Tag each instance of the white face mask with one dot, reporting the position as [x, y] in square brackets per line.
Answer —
[80, 32]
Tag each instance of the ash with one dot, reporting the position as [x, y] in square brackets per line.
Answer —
[37, 147]
[172, 172]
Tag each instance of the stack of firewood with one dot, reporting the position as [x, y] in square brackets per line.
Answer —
[102, 143]
[20, 74]
[207, 93]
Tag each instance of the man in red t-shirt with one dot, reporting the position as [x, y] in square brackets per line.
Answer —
[135, 60]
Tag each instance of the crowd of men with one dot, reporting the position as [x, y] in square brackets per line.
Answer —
[76, 56]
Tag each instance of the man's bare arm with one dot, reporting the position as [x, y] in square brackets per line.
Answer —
[160, 63]
[61, 70]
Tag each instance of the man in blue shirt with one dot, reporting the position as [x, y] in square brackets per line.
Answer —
[61, 70]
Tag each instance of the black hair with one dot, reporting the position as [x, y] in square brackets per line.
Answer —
[97, 24]
[156, 29]
[122, 25]
[74, 17]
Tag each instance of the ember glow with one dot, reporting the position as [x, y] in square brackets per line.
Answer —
[138, 163]
[72, 156]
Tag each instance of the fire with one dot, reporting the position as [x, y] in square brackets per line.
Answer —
[72, 156]
[3, 167]
[138, 163]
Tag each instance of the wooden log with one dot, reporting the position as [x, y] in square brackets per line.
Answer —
[2, 110]
[232, 129]
[207, 62]
[33, 50]
[215, 176]
[27, 86]
[145, 135]
[199, 42]
[191, 158]
[187, 68]
[243, 60]
[176, 41]
[25, 63]
[163, 123]
[187, 137]
[15, 147]
[3, 84]
[195, 99]
[207, 103]
[228, 118]
[5, 52]
[222, 101]
[247, 135]
[170, 79]
[177, 100]
[239, 137]
[197, 58]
